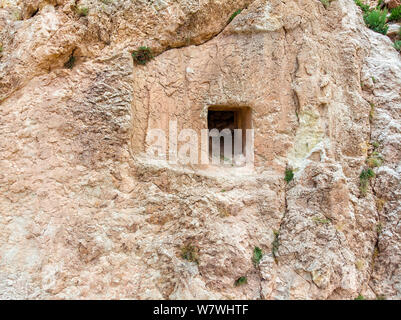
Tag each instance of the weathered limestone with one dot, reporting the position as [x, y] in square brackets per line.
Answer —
[85, 213]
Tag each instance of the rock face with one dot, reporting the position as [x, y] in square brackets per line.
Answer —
[87, 213]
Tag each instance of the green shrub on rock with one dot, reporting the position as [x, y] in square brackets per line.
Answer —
[395, 14]
[142, 55]
[376, 20]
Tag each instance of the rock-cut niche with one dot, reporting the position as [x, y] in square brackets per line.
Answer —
[229, 118]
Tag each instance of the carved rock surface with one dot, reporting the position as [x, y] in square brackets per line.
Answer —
[85, 213]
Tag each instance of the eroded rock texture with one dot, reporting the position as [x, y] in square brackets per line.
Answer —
[85, 213]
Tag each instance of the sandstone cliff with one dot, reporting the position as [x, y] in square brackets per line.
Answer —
[84, 213]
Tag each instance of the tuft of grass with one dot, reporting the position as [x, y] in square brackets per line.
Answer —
[379, 228]
[360, 297]
[241, 281]
[372, 112]
[82, 11]
[142, 55]
[321, 220]
[380, 203]
[397, 45]
[191, 253]
[236, 13]
[257, 256]
[364, 178]
[375, 144]
[289, 175]
[367, 174]
[70, 63]
[326, 3]
[395, 14]
[376, 20]
[1, 48]
[365, 7]
[374, 161]
[381, 297]
[275, 245]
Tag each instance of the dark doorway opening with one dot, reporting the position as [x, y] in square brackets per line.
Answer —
[221, 120]
[231, 118]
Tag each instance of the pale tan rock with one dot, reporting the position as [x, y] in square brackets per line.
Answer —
[393, 30]
[385, 66]
[86, 214]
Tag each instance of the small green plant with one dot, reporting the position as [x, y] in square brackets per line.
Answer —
[372, 112]
[326, 3]
[82, 11]
[374, 161]
[289, 175]
[321, 220]
[365, 7]
[191, 253]
[381, 297]
[142, 56]
[1, 48]
[397, 45]
[236, 13]
[364, 178]
[367, 174]
[70, 62]
[257, 256]
[376, 20]
[379, 228]
[360, 297]
[395, 14]
[275, 245]
[241, 281]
